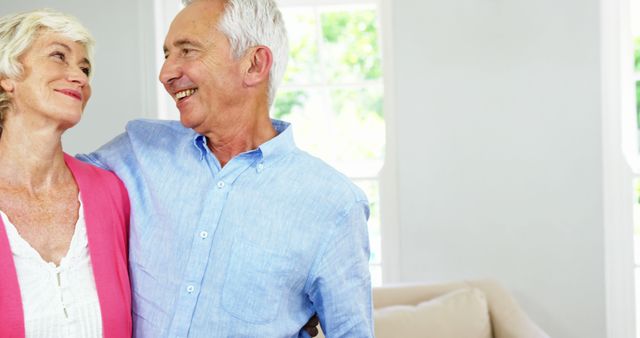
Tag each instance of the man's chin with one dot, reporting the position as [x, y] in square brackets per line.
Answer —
[187, 120]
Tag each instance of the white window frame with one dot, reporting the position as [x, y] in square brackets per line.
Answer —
[390, 225]
[620, 157]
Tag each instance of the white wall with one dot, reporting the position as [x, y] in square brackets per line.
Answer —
[497, 105]
[120, 75]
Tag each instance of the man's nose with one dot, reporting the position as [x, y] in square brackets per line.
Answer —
[170, 71]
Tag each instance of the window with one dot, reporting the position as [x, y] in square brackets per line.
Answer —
[332, 91]
[635, 30]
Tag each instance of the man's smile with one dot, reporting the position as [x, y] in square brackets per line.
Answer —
[184, 93]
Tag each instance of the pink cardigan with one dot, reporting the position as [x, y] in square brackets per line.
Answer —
[106, 209]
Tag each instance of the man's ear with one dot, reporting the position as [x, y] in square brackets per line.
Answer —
[7, 85]
[260, 59]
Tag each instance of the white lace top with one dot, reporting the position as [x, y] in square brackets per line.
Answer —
[58, 301]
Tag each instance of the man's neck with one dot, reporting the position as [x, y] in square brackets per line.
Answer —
[226, 142]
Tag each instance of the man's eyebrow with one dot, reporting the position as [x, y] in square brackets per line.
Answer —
[65, 46]
[182, 43]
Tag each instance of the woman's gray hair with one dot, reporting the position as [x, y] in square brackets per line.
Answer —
[17, 33]
[249, 23]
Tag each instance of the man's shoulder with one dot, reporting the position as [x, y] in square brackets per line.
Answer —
[142, 139]
[88, 170]
[90, 174]
[326, 179]
[151, 134]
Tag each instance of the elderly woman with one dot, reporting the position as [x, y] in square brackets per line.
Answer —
[63, 223]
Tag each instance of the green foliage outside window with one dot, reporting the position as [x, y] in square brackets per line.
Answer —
[364, 102]
[350, 54]
[637, 54]
[638, 103]
[286, 101]
[353, 37]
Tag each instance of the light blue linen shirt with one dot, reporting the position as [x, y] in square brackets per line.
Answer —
[252, 249]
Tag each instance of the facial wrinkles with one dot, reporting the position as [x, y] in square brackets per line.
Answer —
[212, 69]
[42, 77]
[32, 80]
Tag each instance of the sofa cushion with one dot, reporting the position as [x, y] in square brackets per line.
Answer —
[461, 313]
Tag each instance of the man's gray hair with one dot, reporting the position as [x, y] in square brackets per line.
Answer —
[249, 23]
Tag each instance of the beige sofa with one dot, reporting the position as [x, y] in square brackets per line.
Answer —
[472, 309]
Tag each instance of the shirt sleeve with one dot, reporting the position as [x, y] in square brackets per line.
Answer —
[340, 283]
[111, 154]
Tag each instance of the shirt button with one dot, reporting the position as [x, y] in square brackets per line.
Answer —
[204, 234]
[220, 184]
[190, 288]
[260, 167]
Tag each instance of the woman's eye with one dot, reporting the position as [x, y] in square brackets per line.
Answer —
[186, 51]
[59, 55]
[86, 71]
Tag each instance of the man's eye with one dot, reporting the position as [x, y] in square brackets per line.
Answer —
[186, 51]
[86, 71]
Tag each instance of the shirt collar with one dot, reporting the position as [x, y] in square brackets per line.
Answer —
[281, 144]
[200, 142]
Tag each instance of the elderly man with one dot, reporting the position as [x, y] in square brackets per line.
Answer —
[235, 231]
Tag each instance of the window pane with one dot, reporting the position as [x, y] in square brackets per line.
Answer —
[638, 103]
[343, 127]
[311, 121]
[303, 46]
[637, 54]
[359, 125]
[350, 44]
[288, 101]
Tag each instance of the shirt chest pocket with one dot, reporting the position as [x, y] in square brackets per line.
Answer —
[255, 283]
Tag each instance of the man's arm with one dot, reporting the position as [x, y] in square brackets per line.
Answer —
[110, 154]
[340, 283]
